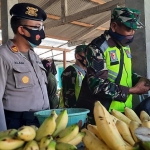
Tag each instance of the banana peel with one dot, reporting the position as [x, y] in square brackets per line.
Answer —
[143, 134]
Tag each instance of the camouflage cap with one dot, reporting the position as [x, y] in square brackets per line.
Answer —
[127, 16]
[80, 48]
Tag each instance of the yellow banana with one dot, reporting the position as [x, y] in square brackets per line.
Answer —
[131, 115]
[68, 134]
[45, 141]
[51, 145]
[65, 146]
[9, 143]
[125, 132]
[146, 123]
[78, 138]
[120, 116]
[86, 148]
[94, 130]
[114, 119]
[47, 128]
[31, 145]
[9, 132]
[107, 129]
[26, 133]
[91, 142]
[144, 115]
[61, 122]
[20, 148]
[132, 126]
[54, 113]
[34, 127]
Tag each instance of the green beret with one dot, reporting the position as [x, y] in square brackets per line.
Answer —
[28, 11]
[80, 48]
[127, 16]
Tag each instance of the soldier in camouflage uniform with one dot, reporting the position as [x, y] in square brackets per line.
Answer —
[109, 77]
[72, 78]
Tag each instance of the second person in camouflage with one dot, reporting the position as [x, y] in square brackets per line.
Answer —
[72, 78]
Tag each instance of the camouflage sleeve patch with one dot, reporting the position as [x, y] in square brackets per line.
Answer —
[95, 59]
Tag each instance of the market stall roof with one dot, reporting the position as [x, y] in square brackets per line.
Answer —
[72, 22]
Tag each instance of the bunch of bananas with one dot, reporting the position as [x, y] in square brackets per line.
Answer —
[53, 134]
[117, 131]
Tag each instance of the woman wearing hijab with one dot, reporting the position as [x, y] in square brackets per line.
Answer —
[51, 86]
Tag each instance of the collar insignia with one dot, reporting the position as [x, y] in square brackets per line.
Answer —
[14, 49]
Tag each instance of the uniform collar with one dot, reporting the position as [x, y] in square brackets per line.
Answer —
[111, 42]
[12, 47]
[109, 39]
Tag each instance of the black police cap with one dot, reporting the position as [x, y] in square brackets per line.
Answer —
[28, 11]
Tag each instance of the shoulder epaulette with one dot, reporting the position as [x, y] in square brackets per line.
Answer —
[98, 41]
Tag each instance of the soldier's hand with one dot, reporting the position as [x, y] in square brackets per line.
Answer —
[146, 81]
[139, 88]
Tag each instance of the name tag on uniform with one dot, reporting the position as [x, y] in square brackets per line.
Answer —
[18, 62]
[38, 62]
[128, 53]
[113, 57]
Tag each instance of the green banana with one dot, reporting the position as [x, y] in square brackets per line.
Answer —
[145, 145]
[31, 145]
[26, 133]
[51, 146]
[9, 143]
[54, 113]
[47, 128]
[9, 132]
[61, 122]
[65, 146]
[68, 134]
[45, 141]
[78, 138]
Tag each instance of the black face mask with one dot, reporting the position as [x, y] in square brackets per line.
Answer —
[82, 60]
[35, 38]
[124, 40]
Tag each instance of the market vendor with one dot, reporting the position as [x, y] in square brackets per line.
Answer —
[110, 77]
[22, 76]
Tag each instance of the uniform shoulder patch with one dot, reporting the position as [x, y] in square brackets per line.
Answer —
[113, 56]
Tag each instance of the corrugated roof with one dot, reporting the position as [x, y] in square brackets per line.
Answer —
[84, 20]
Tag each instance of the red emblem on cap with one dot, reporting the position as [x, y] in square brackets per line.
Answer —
[38, 37]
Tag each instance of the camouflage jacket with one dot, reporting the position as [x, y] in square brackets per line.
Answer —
[97, 81]
[68, 78]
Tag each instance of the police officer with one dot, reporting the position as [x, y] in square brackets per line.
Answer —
[110, 78]
[22, 75]
[72, 78]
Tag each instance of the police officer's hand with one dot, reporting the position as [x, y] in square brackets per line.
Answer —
[140, 88]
